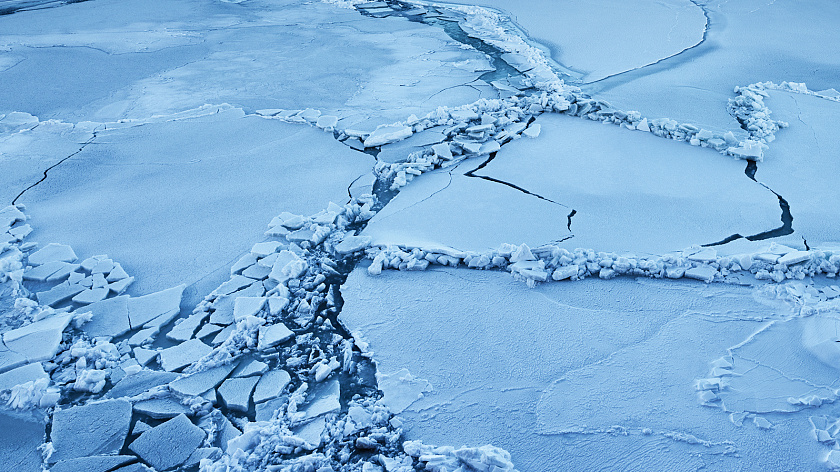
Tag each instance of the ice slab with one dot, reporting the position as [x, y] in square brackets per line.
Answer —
[271, 385]
[273, 335]
[249, 368]
[21, 375]
[325, 400]
[401, 389]
[10, 359]
[58, 294]
[91, 464]
[185, 329]
[153, 308]
[140, 382]
[247, 306]
[110, 317]
[38, 341]
[95, 428]
[52, 252]
[161, 408]
[196, 384]
[184, 354]
[21, 435]
[169, 444]
[236, 392]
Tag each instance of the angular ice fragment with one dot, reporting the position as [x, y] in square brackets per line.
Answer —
[21, 375]
[138, 383]
[91, 296]
[196, 384]
[522, 253]
[185, 329]
[565, 272]
[42, 272]
[327, 122]
[249, 368]
[155, 306]
[794, 257]
[58, 294]
[749, 150]
[119, 286]
[532, 131]
[385, 134]
[270, 336]
[326, 401]
[183, 354]
[265, 248]
[247, 306]
[38, 341]
[161, 408]
[144, 356]
[170, 444]
[703, 272]
[236, 392]
[52, 252]
[352, 244]
[92, 429]
[442, 151]
[271, 385]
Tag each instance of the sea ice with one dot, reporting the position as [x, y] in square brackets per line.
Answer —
[161, 408]
[110, 317]
[91, 464]
[156, 308]
[140, 382]
[236, 392]
[38, 341]
[273, 335]
[196, 384]
[52, 252]
[271, 385]
[182, 355]
[95, 428]
[169, 444]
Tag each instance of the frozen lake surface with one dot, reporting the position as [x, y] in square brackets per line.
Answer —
[388, 236]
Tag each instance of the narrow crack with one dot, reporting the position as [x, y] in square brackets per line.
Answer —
[82, 148]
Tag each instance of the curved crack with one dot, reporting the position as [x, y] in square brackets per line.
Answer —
[84, 145]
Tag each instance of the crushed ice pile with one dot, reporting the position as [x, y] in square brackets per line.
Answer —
[774, 262]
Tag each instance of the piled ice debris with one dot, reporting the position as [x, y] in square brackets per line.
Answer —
[775, 262]
[802, 89]
[260, 377]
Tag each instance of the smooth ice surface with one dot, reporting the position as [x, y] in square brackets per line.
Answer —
[140, 382]
[181, 437]
[271, 385]
[20, 436]
[746, 42]
[236, 392]
[621, 36]
[631, 191]
[181, 355]
[582, 376]
[97, 428]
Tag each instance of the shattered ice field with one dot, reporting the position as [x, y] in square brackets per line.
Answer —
[392, 236]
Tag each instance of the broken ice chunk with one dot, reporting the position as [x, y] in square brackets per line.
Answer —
[703, 272]
[144, 356]
[38, 341]
[116, 274]
[326, 400]
[211, 453]
[271, 385]
[144, 336]
[236, 392]
[138, 383]
[749, 150]
[156, 307]
[9, 216]
[161, 408]
[185, 329]
[532, 131]
[89, 296]
[565, 272]
[52, 252]
[794, 257]
[92, 464]
[352, 244]
[265, 248]
[21, 375]
[270, 336]
[92, 429]
[385, 134]
[10, 359]
[196, 384]
[207, 330]
[170, 444]
[310, 433]
[235, 283]
[327, 122]
[265, 410]
[249, 368]
[42, 272]
[247, 306]
[58, 294]
[442, 151]
[119, 286]
[183, 354]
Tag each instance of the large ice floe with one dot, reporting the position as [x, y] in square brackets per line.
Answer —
[386, 236]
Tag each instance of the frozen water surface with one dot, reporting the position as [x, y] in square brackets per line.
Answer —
[385, 236]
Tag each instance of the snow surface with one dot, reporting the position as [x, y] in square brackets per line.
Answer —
[640, 283]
